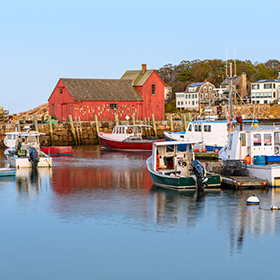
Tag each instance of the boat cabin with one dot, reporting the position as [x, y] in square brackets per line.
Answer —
[168, 159]
[133, 132]
[254, 143]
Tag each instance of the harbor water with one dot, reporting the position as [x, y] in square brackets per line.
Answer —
[97, 215]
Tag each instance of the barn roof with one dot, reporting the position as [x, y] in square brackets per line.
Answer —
[102, 89]
[139, 78]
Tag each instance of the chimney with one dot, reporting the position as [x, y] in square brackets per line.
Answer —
[144, 66]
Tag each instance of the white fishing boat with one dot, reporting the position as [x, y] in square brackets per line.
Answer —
[24, 150]
[259, 149]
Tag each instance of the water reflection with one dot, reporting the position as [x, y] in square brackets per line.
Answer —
[106, 187]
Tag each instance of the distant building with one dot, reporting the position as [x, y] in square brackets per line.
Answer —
[241, 87]
[138, 92]
[195, 96]
[265, 91]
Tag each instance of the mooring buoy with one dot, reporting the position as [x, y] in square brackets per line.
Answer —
[253, 200]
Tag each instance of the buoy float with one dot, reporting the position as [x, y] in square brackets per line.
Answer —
[204, 150]
[196, 150]
[274, 207]
[253, 200]
[217, 151]
[248, 159]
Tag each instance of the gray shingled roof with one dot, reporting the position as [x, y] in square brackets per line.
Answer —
[235, 80]
[137, 76]
[102, 89]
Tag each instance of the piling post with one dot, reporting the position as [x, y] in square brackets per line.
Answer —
[51, 129]
[116, 119]
[97, 127]
[133, 118]
[185, 122]
[35, 123]
[171, 122]
[154, 125]
[42, 119]
[24, 119]
[189, 117]
[73, 129]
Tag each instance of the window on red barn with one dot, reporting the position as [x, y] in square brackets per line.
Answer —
[153, 89]
[114, 106]
[61, 91]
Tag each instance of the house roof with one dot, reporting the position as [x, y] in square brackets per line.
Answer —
[235, 80]
[102, 89]
[196, 84]
[137, 76]
[267, 81]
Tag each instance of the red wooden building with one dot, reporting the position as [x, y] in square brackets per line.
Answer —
[140, 92]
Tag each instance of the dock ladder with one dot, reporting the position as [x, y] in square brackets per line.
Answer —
[79, 131]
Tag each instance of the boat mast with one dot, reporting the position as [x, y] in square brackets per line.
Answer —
[230, 92]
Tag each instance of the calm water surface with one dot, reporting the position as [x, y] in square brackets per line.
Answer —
[96, 215]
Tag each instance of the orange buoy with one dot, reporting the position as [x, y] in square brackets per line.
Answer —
[204, 150]
[196, 150]
[247, 159]
[217, 151]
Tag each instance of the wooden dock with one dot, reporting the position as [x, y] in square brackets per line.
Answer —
[244, 182]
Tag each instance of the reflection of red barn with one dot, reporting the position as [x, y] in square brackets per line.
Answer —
[138, 92]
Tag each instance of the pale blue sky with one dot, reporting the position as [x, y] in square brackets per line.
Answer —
[42, 41]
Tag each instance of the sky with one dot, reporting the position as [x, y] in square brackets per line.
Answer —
[43, 41]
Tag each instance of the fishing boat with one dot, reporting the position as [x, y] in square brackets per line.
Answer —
[172, 168]
[7, 172]
[29, 154]
[127, 137]
[259, 149]
[211, 133]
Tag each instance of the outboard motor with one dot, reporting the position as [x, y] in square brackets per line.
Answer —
[33, 157]
[199, 173]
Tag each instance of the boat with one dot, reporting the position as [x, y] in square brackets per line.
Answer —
[29, 154]
[7, 172]
[259, 149]
[172, 168]
[127, 137]
[55, 151]
[203, 131]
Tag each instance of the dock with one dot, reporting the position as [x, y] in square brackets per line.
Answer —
[243, 182]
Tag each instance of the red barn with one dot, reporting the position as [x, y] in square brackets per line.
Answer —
[138, 92]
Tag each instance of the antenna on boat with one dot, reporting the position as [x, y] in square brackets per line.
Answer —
[230, 92]
[226, 59]
[234, 63]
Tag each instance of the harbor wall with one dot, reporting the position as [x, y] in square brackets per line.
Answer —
[61, 134]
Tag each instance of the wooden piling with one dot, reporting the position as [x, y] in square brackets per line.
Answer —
[154, 125]
[133, 118]
[189, 118]
[51, 129]
[97, 128]
[42, 119]
[185, 122]
[73, 129]
[35, 123]
[116, 119]
[24, 119]
[171, 122]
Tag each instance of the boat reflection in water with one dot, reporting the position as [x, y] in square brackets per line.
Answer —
[31, 180]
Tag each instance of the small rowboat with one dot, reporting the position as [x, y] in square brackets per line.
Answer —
[56, 151]
[4, 172]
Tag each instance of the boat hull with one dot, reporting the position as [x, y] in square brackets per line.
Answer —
[179, 183]
[5, 172]
[135, 145]
[23, 161]
[58, 151]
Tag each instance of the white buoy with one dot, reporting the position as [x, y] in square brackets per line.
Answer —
[253, 200]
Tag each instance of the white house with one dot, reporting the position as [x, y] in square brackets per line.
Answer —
[195, 95]
[265, 91]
